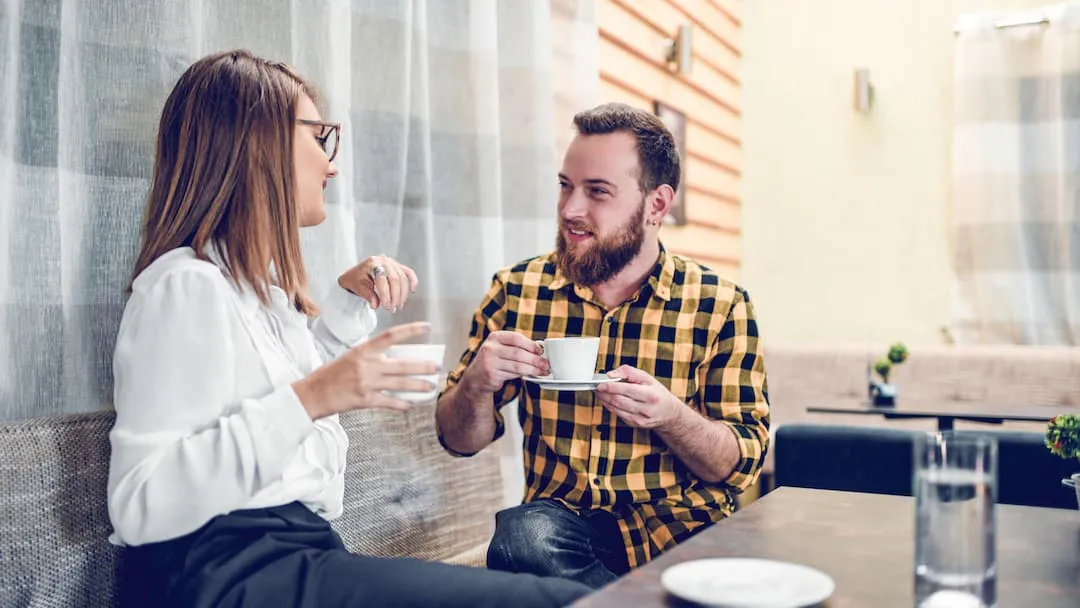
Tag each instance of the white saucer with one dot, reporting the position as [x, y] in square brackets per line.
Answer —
[747, 583]
[551, 384]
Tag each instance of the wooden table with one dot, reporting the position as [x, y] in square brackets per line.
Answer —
[948, 413]
[865, 542]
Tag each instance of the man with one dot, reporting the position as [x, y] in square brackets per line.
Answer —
[616, 475]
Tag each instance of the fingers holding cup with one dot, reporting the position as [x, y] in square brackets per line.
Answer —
[422, 363]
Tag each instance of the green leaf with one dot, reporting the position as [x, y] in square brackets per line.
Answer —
[882, 367]
[1063, 436]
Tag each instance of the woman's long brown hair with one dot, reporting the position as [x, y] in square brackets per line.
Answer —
[223, 173]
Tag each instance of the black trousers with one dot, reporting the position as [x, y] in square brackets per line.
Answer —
[288, 556]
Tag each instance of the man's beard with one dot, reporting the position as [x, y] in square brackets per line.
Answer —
[606, 257]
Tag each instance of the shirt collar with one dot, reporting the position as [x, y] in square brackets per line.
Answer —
[660, 279]
[248, 298]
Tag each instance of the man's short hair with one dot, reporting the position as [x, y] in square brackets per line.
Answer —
[658, 157]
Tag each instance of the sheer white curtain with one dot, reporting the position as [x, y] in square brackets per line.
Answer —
[1016, 175]
[447, 160]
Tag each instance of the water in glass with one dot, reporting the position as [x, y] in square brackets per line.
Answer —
[955, 563]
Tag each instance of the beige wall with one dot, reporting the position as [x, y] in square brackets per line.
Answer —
[846, 215]
[632, 69]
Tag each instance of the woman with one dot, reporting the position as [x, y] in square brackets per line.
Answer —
[227, 453]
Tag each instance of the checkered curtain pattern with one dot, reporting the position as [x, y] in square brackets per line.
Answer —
[447, 160]
[1016, 178]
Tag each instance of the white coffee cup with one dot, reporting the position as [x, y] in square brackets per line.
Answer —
[571, 359]
[425, 352]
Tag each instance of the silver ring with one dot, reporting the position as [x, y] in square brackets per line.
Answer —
[378, 271]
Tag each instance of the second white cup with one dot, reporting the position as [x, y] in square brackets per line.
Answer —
[426, 352]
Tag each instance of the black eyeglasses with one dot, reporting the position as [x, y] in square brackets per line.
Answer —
[328, 137]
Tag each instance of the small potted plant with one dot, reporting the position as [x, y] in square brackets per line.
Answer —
[882, 392]
[1063, 440]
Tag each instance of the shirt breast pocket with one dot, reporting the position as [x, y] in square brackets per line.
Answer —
[676, 368]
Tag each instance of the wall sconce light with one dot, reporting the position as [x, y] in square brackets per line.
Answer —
[679, 53]
[864, 90]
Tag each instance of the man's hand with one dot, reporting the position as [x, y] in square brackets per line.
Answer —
[504, 355]
[709, 448]
[639, 400]
[463, 414]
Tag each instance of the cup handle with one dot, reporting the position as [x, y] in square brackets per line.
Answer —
[1069, 483]
[541, 343]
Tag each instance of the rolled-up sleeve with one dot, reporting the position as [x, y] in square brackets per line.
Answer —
[735, 390]
[489, 317]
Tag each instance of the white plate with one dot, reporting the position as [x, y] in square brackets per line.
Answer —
[747, 583]
[551, 384]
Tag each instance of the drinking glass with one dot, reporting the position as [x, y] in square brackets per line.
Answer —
[955, 489]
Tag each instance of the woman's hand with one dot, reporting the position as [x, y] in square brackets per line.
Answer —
[382, 281]
[361, 377]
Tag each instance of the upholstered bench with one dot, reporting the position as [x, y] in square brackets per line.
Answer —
[404, 496]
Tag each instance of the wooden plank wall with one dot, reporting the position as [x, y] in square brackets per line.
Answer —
[630, 58]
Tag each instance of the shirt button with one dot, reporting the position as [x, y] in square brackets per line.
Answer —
[596, 481]
[610, 320]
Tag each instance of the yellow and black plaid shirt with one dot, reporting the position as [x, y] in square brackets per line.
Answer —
[694, 332]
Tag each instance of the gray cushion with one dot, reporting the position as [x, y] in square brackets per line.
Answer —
[53, 518]
[405, 496]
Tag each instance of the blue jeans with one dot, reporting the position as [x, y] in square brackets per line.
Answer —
[547, 539]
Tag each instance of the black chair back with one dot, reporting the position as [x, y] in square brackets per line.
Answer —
[879, 461]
